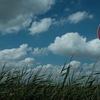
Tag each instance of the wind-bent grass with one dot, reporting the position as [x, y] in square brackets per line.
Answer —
[37, 89]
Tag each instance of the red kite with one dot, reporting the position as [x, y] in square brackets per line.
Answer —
[99, 32]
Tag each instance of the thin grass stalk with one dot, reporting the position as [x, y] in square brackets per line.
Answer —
[67, 72]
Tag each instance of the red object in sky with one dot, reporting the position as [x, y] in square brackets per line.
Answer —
[99, 32]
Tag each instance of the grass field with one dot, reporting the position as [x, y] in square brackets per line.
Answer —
[38, 89]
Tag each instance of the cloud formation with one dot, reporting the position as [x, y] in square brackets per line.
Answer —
[74, 18]
[42, 26]
[78, 16]
[39, 52]
[14, 57]
[69, 43]
[14, 13]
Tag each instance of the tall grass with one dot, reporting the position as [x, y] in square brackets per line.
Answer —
[38, 89]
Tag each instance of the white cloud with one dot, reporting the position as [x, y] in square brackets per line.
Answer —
[39, 52]
[28, 61]
[42, 26]
[78, 16]
[69, 43]
[14, 57]
[61, 22]
[90, 16]
[14, 54]
[27, 22]
[14, 13]
[74, 18]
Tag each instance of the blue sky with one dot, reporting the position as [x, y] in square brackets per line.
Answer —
[48, 32]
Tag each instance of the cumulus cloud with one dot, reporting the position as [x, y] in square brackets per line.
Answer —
[14, 54]
[42, 26]
[14, 57]
[28, 61]
[71, 43]
[14, 13]
[78, 16]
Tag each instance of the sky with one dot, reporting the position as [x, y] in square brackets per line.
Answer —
[47, 33]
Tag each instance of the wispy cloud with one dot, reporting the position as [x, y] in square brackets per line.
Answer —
[74, 18]
[78, 16]
[39, 52]
[42, 26]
